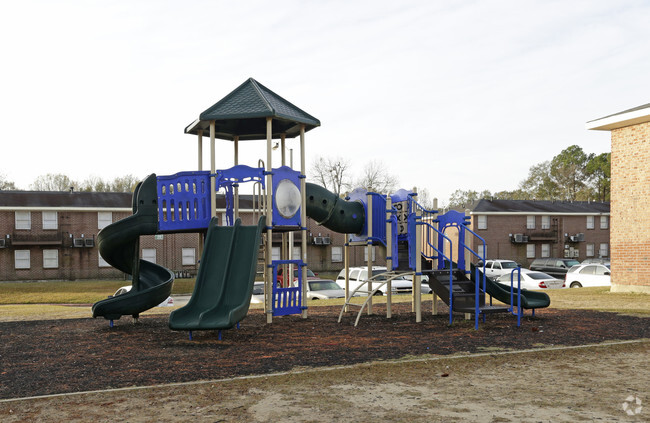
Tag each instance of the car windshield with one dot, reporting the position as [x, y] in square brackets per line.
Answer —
[538, 275]
[258, 288]
[571, 263]
[322, 285]
[508, 264]
[310, 274]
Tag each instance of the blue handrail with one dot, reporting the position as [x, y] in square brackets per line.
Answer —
[476, 278]
[451, 278]
[519, 307]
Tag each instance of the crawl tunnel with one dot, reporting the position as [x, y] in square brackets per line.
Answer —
[333, 212]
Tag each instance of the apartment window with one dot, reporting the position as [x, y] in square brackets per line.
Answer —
[603, 251]
[104, 219]
[275, 253]
[295, 253]
[530, 222]
[590, 222]
[365, 254]
[50, 259]
[22, 259]
[590, 249]
[23, 220]
[481, 250]
[337, 254]
[546, 250]
[102, 262]
[604, 222]
[482, 221]
[530, 250]
[149, 254]
[50, 220]
[546, 222]
[188, 256]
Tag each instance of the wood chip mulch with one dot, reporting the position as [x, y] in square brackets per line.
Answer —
[49, 357]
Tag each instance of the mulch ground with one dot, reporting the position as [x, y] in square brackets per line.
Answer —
[48, 357]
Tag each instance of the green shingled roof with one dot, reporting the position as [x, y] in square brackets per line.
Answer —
[243, 113]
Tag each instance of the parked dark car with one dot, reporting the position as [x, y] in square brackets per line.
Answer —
[557, 267]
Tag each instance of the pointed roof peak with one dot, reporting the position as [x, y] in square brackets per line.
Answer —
[243, 113]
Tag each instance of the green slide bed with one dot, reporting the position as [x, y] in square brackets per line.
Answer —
[224, 283]
[529, 299]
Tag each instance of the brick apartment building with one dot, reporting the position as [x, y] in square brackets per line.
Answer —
[630, 193]
[51, 236]
[523, 230]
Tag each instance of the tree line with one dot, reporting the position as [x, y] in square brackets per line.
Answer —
[61, 182]
[572, 175]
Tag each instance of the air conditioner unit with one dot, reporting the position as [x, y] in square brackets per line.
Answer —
[581, 237]
[524, 238]
[326, 240]
[518, 237]
[89, 242]
[318, 240]
[78, 242]
[573, 238]
[2, 243]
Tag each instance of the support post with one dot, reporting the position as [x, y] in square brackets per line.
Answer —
[200, 168]
[434, 296]
[417, 279]
[369, 250]
[303, 217]
[268, 297]
[389, 255]
[236, 186]
[346, 266]
[213, 187]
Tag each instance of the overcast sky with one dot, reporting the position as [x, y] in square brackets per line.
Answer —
[448, 94]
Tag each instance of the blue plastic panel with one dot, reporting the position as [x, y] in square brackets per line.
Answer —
[281, 174]
[184, 201]
[287, 301]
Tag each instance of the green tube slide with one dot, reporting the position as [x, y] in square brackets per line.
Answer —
[333, 212]
[118, 244]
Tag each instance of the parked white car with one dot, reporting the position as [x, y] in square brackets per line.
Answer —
[359, 276]
[588, 275]
[323, 289]
[169, 302]
[496, 268]
[531, 279]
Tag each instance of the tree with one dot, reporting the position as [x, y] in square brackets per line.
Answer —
[52, 182]
[331, 173]
[5, 184]
[94, 184]
[463, 199]
[567, 171]
[125, 183]
[376, 178]
[598, 170]
[539, 185]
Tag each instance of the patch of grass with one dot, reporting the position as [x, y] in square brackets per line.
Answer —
[71, 292]
[600, 298]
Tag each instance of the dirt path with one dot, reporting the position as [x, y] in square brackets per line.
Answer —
[559, 385]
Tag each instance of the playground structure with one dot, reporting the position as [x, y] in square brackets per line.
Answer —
[414, 238]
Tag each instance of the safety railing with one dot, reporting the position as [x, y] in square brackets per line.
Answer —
[512, 284]
[429, 227]
[477, 278]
